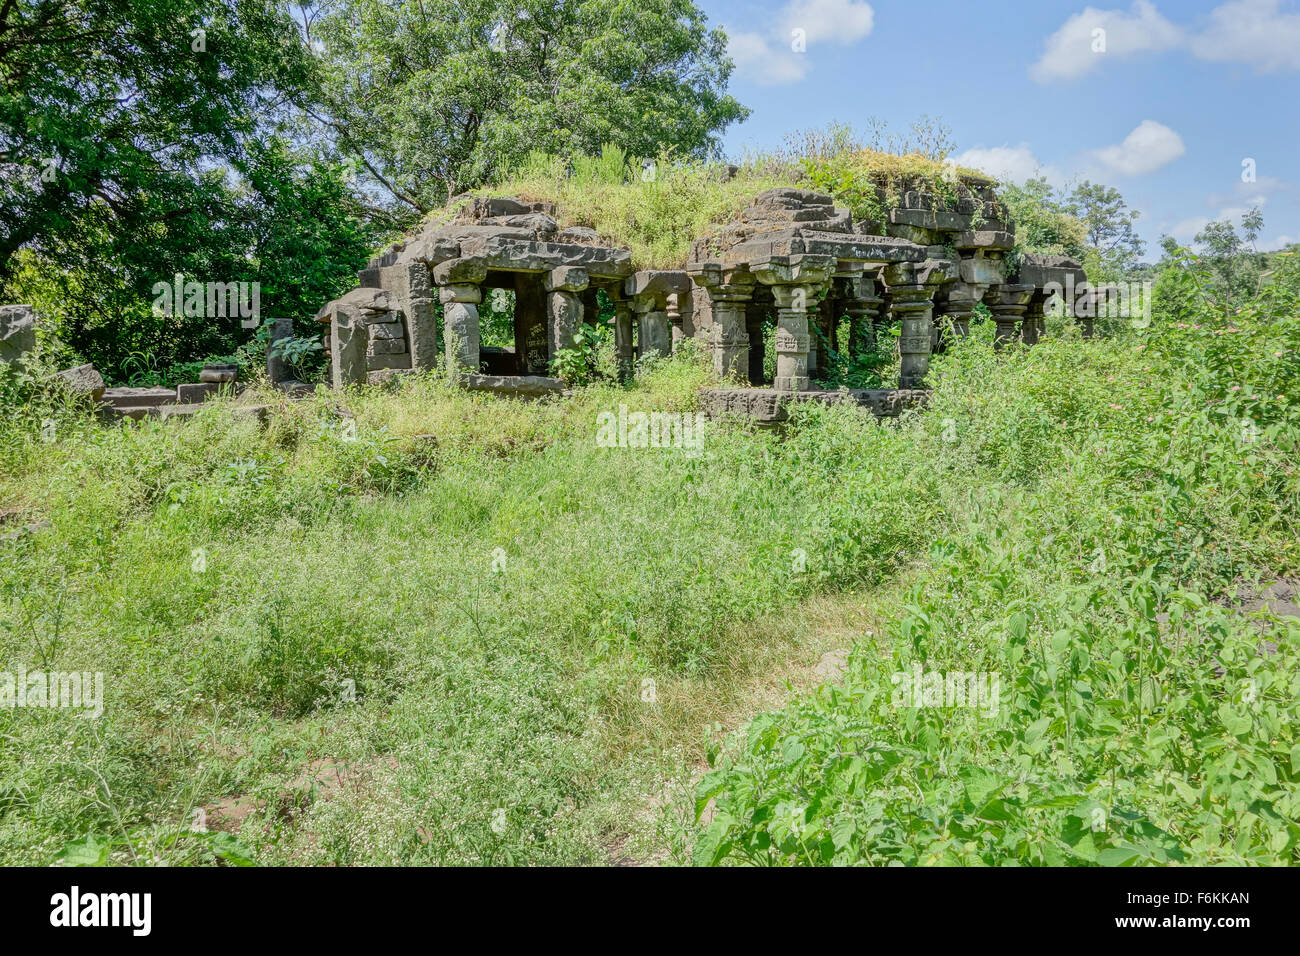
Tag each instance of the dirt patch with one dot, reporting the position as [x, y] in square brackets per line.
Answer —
[322, 779]
[1282, 598]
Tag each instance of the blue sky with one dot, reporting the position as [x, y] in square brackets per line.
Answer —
[1166, 105]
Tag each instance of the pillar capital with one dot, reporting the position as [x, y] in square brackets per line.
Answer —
[723, 282]
[1008, 304]
[463, 292]
[466, 271]
[802, 269]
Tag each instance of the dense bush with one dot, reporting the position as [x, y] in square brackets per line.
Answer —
[1105, 502]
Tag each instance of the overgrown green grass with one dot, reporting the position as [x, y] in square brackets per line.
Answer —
[1104, 502]
[493, 586]
[658, 208]
[509, 637]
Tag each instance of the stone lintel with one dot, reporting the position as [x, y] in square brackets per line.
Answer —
[518, 255]
[659, 283]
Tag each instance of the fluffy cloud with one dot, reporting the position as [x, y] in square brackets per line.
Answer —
[838, 21]
[1253, 32]
[1148, 148]
[756, 60]
[1012, 164]
[781, 57]
[1076, 49]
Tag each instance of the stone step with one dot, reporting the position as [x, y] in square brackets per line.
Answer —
[138, 397]
[188, 410]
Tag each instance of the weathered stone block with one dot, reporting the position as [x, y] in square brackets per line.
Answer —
[394, 360]
[567, 279]
[219, 374]
[387, 330]
[17, 332]
[194, 393]
[386, 347]
[350, 339]
[84, 380]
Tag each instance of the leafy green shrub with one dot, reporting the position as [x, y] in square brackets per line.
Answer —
[1105, 502]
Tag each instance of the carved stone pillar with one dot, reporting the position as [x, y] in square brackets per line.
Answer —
[862, 306]
[532, 342]
[954, 308]
[623, 345]
[729, 291]
[1034, 323]
[460, 291]
[755, 314]
[1008, 303]
[1084, 309]
[675, 327]
[564, 286]
[912, 304]
[277, 369]
[653, 335]
[653, 294]
[349, 337]
[421, 317]
[797, 282]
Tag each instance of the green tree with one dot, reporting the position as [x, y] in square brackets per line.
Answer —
[1111, 233]
[1231, 265]
[137, 141]
[1042, 225]
[434, 97]
[111, 111]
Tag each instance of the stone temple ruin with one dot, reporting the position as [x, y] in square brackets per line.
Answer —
[792, 257]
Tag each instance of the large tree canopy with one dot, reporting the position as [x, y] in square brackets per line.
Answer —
[110, 111]
[438, 96]
[144, 138]
[137, 141]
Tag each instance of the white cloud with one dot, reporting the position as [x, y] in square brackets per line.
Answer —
[840, 21]
[1077, 48]
[1252, 194]
[1012, 164]
[1149, 147]
[1252, 32]
[1185, 230]
[756, 60]
[782, 55]
[1281, 242]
